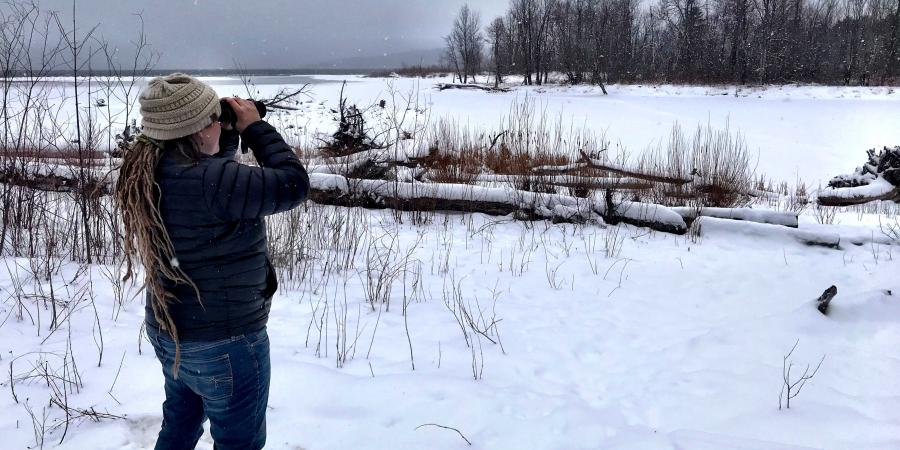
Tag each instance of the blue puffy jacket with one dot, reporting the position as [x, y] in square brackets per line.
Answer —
[214, 210]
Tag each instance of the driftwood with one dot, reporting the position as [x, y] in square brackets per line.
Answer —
[574, 181]
[634, 173]
[824, 299]
[568, 168]
[878, 189]
[883, 163]
[378, 194]
[786, 219]
[586, 162]
[877, 179]
[713, 225]
[51, 182]
[445, 86]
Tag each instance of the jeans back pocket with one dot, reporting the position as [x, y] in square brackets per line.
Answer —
[213, 378]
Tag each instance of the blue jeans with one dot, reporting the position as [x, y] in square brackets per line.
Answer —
[226, 381]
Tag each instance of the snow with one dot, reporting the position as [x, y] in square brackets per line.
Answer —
[613, 337]
[671, 344]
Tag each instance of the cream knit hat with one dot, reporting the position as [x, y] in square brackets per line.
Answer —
[177, 105]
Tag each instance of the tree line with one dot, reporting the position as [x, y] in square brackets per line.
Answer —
[850, 42]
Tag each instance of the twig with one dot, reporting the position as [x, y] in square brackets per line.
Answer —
[446, 428]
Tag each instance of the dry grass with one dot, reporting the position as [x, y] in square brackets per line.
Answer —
[717, 161]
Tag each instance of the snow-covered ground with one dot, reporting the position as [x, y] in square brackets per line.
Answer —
[602, 337]
[674, 342]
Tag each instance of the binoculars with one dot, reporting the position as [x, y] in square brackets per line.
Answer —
[228, 115]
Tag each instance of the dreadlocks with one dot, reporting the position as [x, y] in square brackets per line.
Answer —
[146, 238]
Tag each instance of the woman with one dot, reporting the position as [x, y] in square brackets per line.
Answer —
[194, 218]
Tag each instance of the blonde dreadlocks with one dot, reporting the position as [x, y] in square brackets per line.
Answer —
[146, 238]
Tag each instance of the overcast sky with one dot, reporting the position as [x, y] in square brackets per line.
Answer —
[273, 33]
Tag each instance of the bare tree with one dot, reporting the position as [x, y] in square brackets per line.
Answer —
[497, 37]
[891, 61]
[465, 44]
[123, 79]
[827, 41]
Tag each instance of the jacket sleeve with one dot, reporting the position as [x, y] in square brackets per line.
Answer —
[234, 191]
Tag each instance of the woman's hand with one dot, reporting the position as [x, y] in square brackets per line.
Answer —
[245, 110]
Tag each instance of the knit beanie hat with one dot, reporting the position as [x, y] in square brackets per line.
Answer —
[176, 106]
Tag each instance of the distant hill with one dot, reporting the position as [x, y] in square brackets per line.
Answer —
[345, 65]
[396, 60]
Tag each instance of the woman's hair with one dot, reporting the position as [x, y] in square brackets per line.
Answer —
[146, 238]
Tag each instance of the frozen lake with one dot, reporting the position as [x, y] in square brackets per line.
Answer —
[811, 133]
[807, 133]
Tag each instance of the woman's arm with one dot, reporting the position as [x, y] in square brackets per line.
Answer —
[235, 191]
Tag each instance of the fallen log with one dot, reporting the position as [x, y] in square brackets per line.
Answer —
[884, 163]
[634, 173]
[51, 182]
[586, 162]
[877, 189]
[786, 219]
[379, 194]
[372, 161]
[567, 181]
[568, 168]
[445, 86]
[707, 226]
[877, 179]
[330, 189]
[341, 191]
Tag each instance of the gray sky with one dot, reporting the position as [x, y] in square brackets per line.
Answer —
[273, 33]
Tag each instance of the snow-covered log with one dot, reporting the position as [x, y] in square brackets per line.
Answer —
[877, 179]
[445, 86]
[884, 163]
[768, 195]
[338, 190]
[396, 154]
[649, 215]
[586, 162]
[567, 168]
[342, 191]
[711, 225]
[367, 159]
[786, 219]
[567, 181]
[631, 172]
[48, 181]
[877, 189]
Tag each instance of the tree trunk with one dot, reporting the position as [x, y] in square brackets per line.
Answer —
[892, 58]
